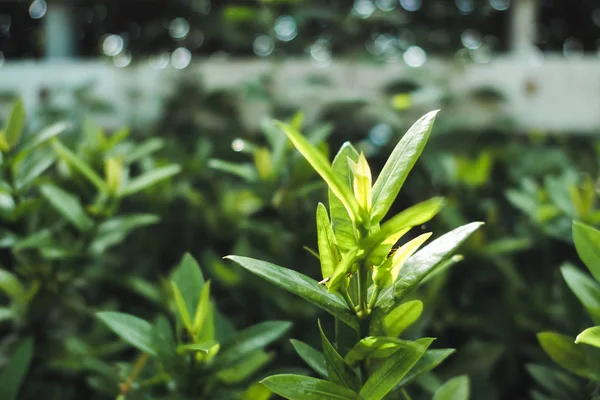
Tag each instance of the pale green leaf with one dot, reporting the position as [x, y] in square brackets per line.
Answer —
[73, 160]
[149, 179]
[587, 243]
[189, 280]
[456, 388]
[328, 252]
[585, 288]
[15, 124]
[298, 387]
[589, 336]
[402, 317]
[68, 206]
[575, 358]
[133, 330]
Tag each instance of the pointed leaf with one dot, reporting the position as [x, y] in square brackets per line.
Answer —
[12, 286]
[15, 370]
[298, 387]
[587, 243]
[402, 317]
[430, 360]
[396, 169]
[576, 358]
[340, 220]
[203, 309]
[114, 230]
[300, 285]
[144, 149]
[245, 171]
[250, 340]
[149, 179]
[589, 336]
[45, 135]
[423, 263]
[133, 330]
[412, 216]
[392, 370]
[246, 367]
[73, 160]
[455, 389]
[375, 347]
[16, 121]
[585, 288]
[203, 347]
[337, 370]
[328, 252]
[313, 357]
[182, 310]
[68, 206]
[318, 161]
[189, 280]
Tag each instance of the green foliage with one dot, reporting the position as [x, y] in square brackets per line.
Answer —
[375, 365]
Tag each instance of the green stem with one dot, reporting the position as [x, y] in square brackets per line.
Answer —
[374, 297]
[405, 394]
[363, 292]
[348, 300]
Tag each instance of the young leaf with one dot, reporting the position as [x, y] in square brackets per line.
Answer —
[412, 216]
[313, 357]
[80, 165]
[585, 288]
[250, 340]
[397, 261]
[456, 388]
[182, 310]
[298, 387]
[423, 263]
[300, 285]
[328, 252]
[337, 370]
[373, 346]
[318, 161]
[338, 280]
[396, 169]
[189, 280]
[587, 243]
[203, 309]
[340, 220]
[589, 336]
[402, 317]
[14, 371]
[68, 206]
[16, 121]
[392, 370]
[135, 331]
[203, 347]
[149, 179]
[576, 358]
[362, 183]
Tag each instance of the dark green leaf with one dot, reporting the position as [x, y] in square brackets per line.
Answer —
[149, 179]
[430, 360]
[15, 370]
[585, 288]
[250, 340]
[246, 367]
[313, 357]
[574, 357]
[300, 285]
[135, 331]
[245, 171]
[587, 243]
[298, 387]
[396, 169]
[113, 231]
[455, 389]
[337, 369]
[68, 206]
[392, 370]
[144, 149]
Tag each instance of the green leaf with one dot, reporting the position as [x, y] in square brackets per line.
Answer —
[32, 167]
[256, 391]
[300, 285]
[587, 243]
[245, 171]
[68, 206]
[412, 216]
[189, 280]
[375, 347]
[318, 161]
[80, 165]
[337, 369]
[113, 231]
[250, 340]
[456, 388]
[328, 252]
[589, 336]
[396, 169]
[298, 387]
[402, 317]
[313, 357]
[430, 360]
[16, 121]
[45, 135]
[576, 358]
[202, 310]
[559, 383]
[149, 179]
[12, 286]
[182, 310]
[423, 263]
[392, 370]
[133, 330]
[246, 367]
[144, 149]
[585, 288]
[163, 340]
[340, 220]
[203, 347]
[14, 371]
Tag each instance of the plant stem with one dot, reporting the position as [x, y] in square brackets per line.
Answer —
[374, 297]
[363, 271]
[348, 300]
[137, 368]
[405, 394]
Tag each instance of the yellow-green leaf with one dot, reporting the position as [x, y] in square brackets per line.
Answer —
[589, 336]
[328, 253]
